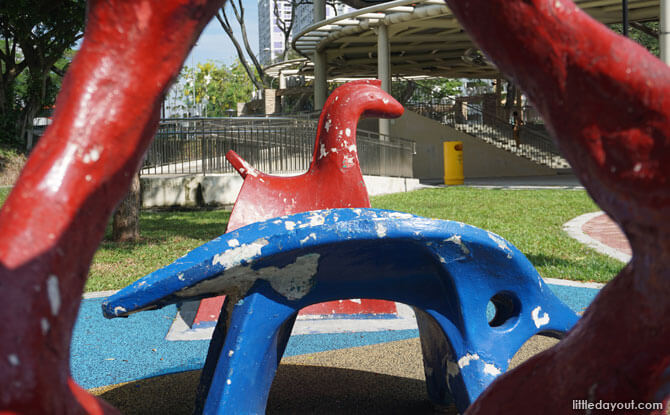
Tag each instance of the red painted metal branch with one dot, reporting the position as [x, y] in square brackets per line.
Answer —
[605, 100]
[55, 216]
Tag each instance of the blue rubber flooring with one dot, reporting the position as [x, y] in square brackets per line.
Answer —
[106, 352]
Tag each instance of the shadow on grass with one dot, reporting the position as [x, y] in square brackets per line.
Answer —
[297, 389]
[540, 260]
[590, 267]
[162, 227]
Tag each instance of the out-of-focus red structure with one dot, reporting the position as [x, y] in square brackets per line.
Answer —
[606, 101]
[52, 222]
[604, 98]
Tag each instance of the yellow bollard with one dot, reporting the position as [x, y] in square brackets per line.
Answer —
[453, 162]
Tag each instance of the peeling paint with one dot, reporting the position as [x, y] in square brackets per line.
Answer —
[355, 300]
[539, 321]
[54, 294]
[44, 325]
[502, 244]
[381, 229]
[292, 281]
[400, 215]
[250, 170]
[235, 256]
[456, 239]
[92, 156]
[491, 369]
[465, 360]
[347, 132]
[233, 243]
[315, 219]
[307, 238]
[13, 360]
[289, 225]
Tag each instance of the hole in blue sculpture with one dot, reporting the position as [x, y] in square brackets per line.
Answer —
[502, 308]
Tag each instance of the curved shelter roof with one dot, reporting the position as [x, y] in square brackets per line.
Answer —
[425, 37]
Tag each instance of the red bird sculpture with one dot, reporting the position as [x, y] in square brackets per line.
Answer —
[334, 178]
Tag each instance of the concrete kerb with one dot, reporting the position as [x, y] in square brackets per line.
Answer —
[574, 229]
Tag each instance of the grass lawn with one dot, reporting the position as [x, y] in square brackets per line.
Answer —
[530, 219]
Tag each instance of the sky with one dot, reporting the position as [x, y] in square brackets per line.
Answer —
[215, 45]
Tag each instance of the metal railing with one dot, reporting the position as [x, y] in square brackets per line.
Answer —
[471, 119]
[283, 145]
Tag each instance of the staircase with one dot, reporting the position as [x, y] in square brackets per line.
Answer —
[470, 119]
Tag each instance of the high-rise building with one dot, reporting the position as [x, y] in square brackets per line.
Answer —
[304, 14]
[271, 38]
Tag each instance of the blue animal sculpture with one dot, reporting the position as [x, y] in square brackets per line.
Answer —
[447, 271]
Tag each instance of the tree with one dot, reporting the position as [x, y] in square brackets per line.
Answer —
[258, 77]
[284, 23]
[126, 220]
[35, 36]
[215, 89]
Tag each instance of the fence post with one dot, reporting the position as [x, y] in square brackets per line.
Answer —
[205, 159]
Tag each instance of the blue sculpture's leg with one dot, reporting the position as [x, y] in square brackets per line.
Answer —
[216, 346]
[436, 354]
[258, 332]
[213, 353]
[462, 357]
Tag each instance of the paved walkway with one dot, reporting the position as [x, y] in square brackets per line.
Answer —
[600, 232]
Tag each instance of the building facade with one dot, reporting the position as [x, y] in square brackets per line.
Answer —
[304, 14]
[271, 38]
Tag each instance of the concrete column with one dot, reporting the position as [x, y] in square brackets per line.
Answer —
[282, 86]
[384, 70]
[664, 28]
[320, 62]
[320, 79]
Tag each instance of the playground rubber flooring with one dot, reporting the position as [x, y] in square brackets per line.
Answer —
[130, 364]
